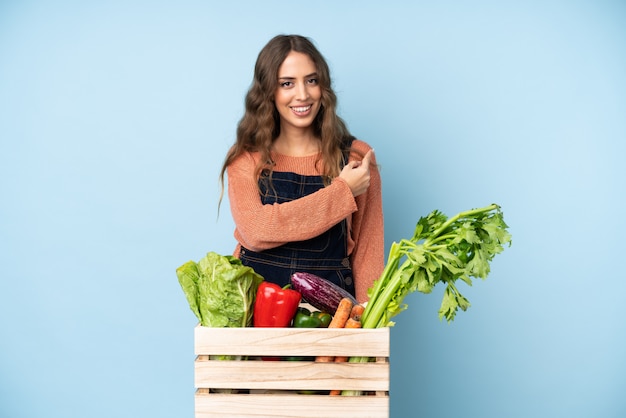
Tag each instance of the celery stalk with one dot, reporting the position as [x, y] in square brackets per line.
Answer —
[441, 250]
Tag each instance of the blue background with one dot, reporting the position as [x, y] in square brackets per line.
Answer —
[114, 121]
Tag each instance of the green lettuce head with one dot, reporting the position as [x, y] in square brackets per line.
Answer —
[220, 290]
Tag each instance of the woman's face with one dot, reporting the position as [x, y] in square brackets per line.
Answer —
[298, 95]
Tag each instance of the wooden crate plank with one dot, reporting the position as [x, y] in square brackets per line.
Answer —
[291, 375]
[292, 406]
[291, 342]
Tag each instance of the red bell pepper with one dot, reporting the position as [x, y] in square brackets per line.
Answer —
[275, 306]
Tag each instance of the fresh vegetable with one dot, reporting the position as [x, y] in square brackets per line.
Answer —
[220, 290]
[342, 313]
[357, 312]
[319, 292]
[275, 306]
[305, 319]
[324, 318]
[353, 323]
[441, 250]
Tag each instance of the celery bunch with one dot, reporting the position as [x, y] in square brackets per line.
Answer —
[441, 250]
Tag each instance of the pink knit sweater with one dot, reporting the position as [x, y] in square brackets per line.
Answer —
[260, 227]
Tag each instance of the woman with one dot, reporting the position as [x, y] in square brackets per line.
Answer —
[304, 194]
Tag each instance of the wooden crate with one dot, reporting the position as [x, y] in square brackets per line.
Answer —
[275, 388]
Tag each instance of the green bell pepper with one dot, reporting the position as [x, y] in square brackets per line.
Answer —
[324, 317]
[304, 319]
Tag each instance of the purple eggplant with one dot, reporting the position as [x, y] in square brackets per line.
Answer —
[319, 292]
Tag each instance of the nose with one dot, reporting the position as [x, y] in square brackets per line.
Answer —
[302, 91]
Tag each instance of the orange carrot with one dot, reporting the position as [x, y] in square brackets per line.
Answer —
[357, 312]
[342, 314]
[353, 323]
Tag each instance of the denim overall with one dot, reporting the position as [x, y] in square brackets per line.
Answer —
[325, 255]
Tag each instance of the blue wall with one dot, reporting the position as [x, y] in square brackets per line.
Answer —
[114, 119]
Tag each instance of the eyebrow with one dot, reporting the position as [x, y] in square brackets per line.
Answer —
[293, 78]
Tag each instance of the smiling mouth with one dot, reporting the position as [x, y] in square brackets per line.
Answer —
[301, 109]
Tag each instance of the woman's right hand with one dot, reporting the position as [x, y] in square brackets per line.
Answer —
[357, 174]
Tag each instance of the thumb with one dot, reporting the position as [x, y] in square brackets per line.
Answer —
[353, 164]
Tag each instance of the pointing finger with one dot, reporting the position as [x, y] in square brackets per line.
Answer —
[368, 158]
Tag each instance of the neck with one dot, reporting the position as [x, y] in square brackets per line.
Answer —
[297, 144]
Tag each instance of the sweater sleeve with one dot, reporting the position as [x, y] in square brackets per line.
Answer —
[367, 230]
[260, 227]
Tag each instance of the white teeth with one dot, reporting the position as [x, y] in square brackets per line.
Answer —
[301, 109]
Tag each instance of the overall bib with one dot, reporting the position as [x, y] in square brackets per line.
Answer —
[325, 255]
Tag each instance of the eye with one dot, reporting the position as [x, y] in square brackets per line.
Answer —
[313, 81]
[286, 84]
